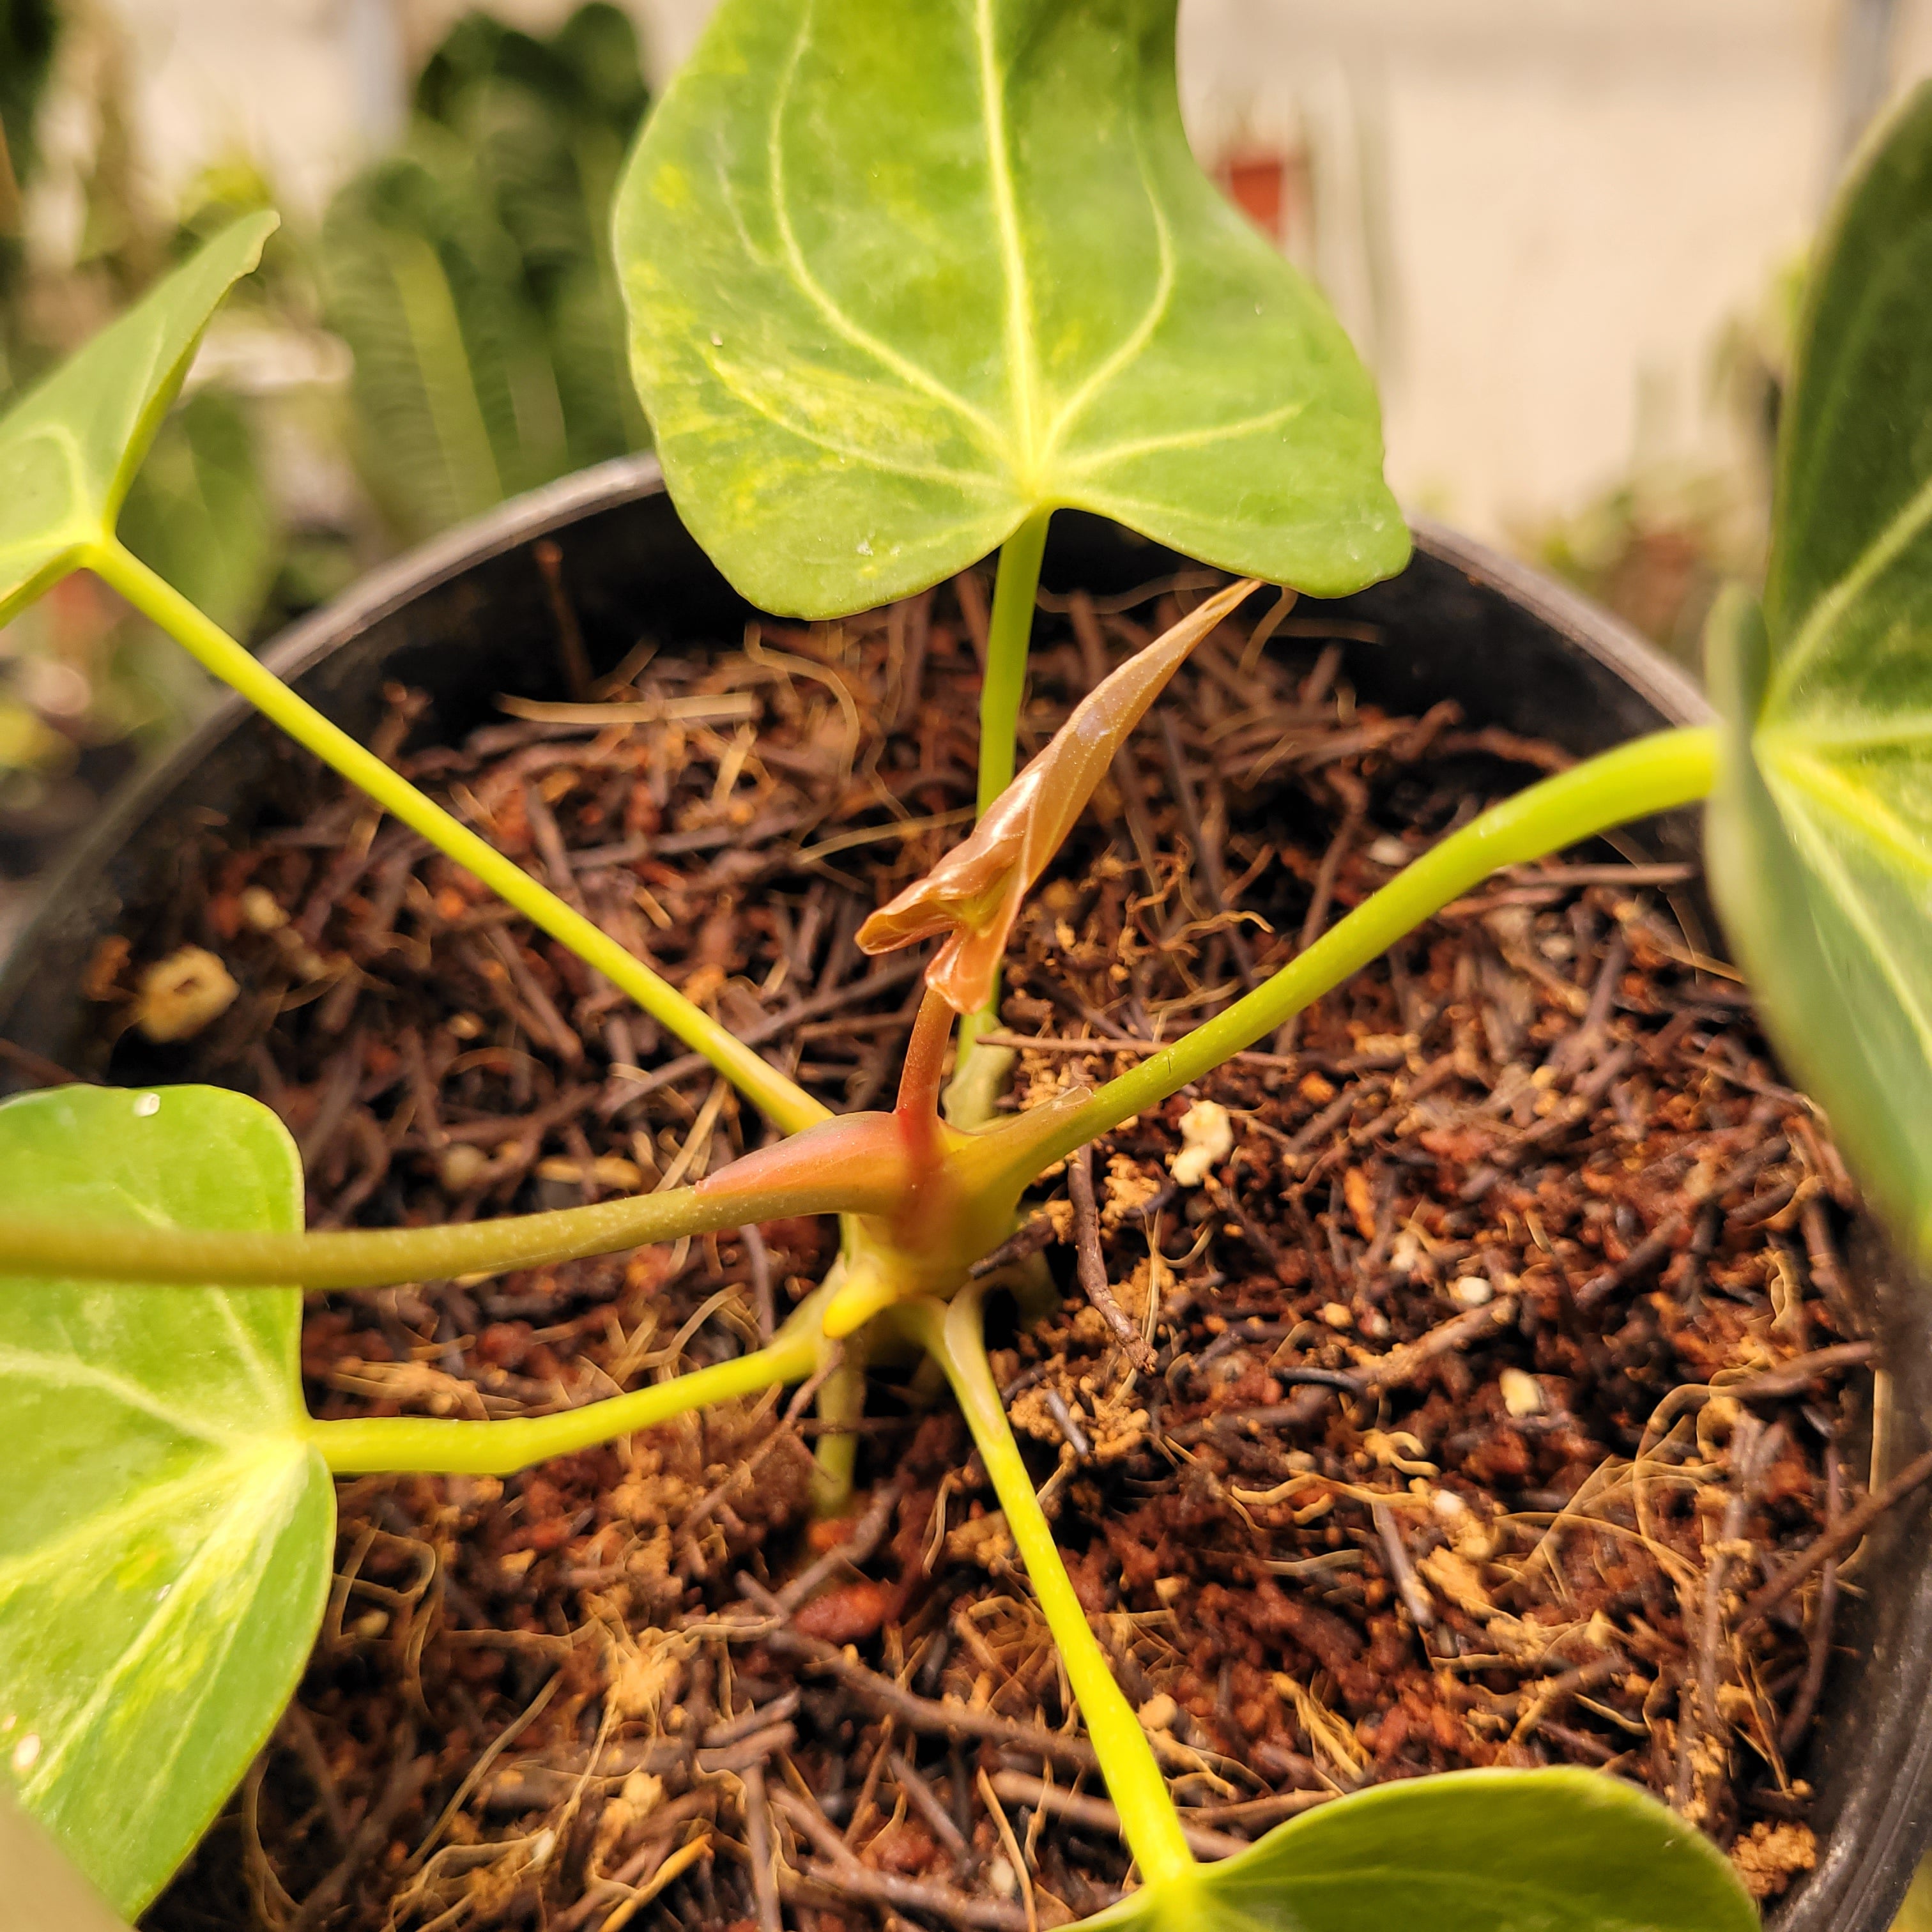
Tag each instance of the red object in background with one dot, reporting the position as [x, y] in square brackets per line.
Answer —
[1257, 184]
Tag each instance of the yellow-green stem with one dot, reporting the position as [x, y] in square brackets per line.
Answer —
[432, 1447]
[1008, 635]
[952, 1333]
[1649, 775]
[779, 1099]
[375, 1257]
[970, 1097]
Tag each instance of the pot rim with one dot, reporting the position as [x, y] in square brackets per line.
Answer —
[1598, 634]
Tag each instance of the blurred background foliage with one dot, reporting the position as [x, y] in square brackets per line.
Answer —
[447, 334]
[471, 274]
[442, 330]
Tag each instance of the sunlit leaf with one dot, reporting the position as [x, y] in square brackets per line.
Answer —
[901, 272]
[1475, 1851]
[165, 1526]
[1821, 830]
[70, 448]
[972, 895]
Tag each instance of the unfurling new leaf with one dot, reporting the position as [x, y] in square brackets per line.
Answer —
[166, 1524]
[972, 895]
[903, 273]
[1820, 831]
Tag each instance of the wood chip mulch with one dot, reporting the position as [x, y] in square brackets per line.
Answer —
[1473, 1378]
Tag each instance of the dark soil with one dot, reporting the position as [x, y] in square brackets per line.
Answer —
[1502, 1366]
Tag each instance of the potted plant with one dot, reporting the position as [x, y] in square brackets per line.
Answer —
[808, 228]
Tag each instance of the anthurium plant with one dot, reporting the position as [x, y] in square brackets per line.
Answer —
[904, 280]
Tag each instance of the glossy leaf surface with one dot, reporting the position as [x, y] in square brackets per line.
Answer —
[1821, 829]
[70, 448]
[1475, 1851]
[166, 1526]
[901, 272]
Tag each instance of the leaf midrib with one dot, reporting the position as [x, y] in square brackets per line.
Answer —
[820, 298]
[1031, 441]
[1807, 792]
[1788, 768]
[1850, 732]
[1019, 322]
[215, 1471]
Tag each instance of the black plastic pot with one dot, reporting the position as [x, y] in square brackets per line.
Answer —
[469, 616]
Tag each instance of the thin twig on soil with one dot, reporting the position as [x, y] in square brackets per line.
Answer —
[1090, 1266]
[845, 1873]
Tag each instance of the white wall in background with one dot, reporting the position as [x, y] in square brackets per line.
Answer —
[1536, 215]
[1550, 211]
[304, 88]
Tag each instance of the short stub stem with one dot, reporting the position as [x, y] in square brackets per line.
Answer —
[840, 1406]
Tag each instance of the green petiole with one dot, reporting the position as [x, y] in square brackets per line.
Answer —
[1008, 633]
[376, 1257]
[430, 1447]
[979, 1072]
[1658, 773]
[781, 1099]
[1651, 775]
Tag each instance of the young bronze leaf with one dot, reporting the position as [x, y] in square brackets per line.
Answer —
[166, 1524]
[69, 448]
[901, 273]
[972, 895]
[1820, 830]
[1473, 1851]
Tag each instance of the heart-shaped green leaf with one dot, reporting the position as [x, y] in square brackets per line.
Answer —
[69, 448]
[1820, 831]
[166, 1525]
[902, 272]
[1475, 1851]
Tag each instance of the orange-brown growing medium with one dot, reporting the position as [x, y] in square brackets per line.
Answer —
[1428, 1469]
